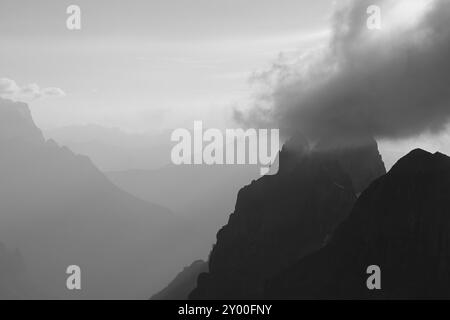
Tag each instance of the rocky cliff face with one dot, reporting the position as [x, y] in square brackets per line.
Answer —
[361, 160]
[401, 223]
[279, 219]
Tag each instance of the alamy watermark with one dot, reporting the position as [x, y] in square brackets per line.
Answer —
[236, 146]
[73, 21]
[73, 281]
[374, 19]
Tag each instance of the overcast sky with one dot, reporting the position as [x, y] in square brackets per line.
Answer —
[146, 65]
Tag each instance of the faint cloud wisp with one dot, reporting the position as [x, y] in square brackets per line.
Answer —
[10, 89]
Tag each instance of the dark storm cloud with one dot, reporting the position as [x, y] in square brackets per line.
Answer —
[392, 83]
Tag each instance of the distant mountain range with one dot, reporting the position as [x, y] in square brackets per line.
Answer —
[111, 149]
[140, 164]
[205, 195]
[59, 210]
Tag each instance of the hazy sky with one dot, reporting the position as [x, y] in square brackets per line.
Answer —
[143, 65]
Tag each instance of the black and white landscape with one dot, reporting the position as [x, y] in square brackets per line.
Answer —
[93, 97]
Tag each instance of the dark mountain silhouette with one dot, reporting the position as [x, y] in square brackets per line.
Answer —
[59, 210]
[279, 219]
[401, 223]
[183, 284]
[359, 158]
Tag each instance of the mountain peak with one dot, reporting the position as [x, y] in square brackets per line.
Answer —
[400, 223]
[420, 160]
[280, 218]
[59, 209]
[16, 123]
[359, 158]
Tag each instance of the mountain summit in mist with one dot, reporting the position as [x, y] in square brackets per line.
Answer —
[400, 223]
[280, 219]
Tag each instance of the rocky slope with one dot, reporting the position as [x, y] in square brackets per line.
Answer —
[184, 282]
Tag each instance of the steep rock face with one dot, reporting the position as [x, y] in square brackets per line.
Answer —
[401, 223]
[183, 283]
[279, 219]
[361, 160]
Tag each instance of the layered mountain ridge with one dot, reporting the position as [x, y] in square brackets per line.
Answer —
[59, 210]
[280, 219]
[401, 224]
